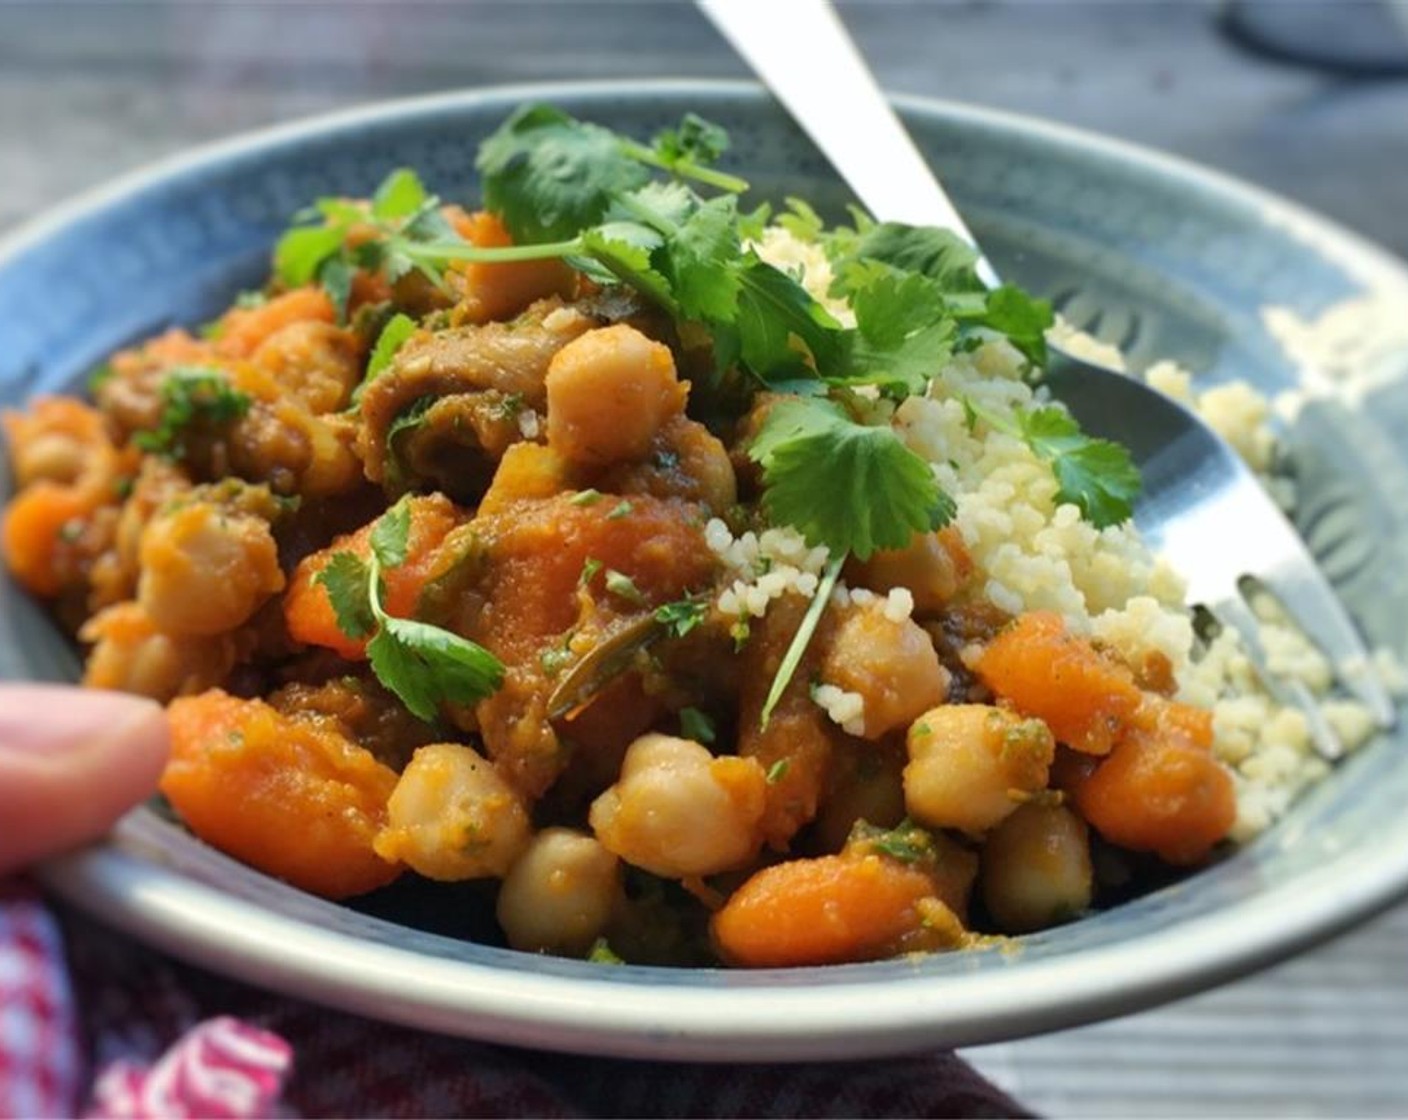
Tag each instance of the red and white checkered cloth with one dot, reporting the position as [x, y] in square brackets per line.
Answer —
[93, 1024]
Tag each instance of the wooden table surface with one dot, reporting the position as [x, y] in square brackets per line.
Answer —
[90, 90]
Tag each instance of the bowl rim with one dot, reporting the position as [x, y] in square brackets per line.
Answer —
[759, 1022]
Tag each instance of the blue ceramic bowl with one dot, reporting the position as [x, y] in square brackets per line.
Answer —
[1179, 262]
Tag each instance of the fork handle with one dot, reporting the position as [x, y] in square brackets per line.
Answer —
[809, 61]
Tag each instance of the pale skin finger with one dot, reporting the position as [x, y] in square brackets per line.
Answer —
[72, 761]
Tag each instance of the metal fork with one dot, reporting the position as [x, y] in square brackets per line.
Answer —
[1201, 506]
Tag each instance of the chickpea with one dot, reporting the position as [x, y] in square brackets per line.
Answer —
[609, 392]
[933, 567]
[678, 811]
[60, 440]
[970, 765]
[866, 784]
[204, 570]
[892, 665]
[1036, 868]
[451, 816]
[560, 894]
[315, 363]
[129, 654]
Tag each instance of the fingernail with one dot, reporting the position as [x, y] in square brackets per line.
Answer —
[52, 719]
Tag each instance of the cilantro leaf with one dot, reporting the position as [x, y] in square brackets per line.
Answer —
[780, 330]
[406, 421]
[300, 252]
[705, 260]
[623, 250]
[682, 616]
[1097, 476]
[400, 195]
[425, 665]
[345, 580]
[192, 396]
[939, 254]
[850, 486]
[549, 175]
[696, 141]
[904, 332]
[1024, 319]
[392, 337]
[391, 534]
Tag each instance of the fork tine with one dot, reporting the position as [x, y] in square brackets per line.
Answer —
[1306, 597]
[1233, 612]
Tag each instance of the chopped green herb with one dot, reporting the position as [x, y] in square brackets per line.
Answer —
[777, 771]
[192, 396]
[345, 578]
[1097, 476]
[622, 509]
[422, 664]
[100, 376]
[407, 421]
[585, 498]
[620, 584]
[392, 337]
[906, 842]
[391, 535]
[682, 616]
[695, 725]
[602, 953]
[852, 487]
[425, 665]
[740, 632]
[589, 571]
[400, 231]
[554, 659]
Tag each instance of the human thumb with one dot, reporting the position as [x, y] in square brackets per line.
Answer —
[72, 761]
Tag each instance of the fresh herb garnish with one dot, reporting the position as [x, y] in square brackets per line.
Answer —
[1097, 476]
[850, 486]
[622, 586]
[682, 616]
[906, 842]
[550, 176]
[590, 567]
[777, 771]
[602, 953]
[695, 725]
[191, 396]
[422, 664]
[400, 231]
[392, 337]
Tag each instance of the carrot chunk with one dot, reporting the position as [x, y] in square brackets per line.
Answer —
[1041, 670]
[32, 532]
[289, 797]
[1161, 790]
[824, 911]
[244, 328]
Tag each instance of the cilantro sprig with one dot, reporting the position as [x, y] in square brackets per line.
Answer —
[550, 176]
[191, 396]
[853, 487]
[401, 230]
[1095, 475]
[422, 664]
